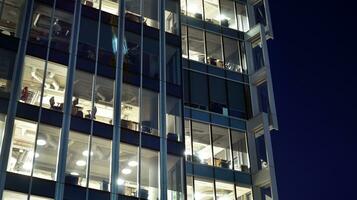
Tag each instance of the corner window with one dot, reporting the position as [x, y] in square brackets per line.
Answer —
[242, 17]
[231, 57]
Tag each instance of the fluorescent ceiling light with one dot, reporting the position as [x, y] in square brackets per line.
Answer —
[81, 163]
[126, 171]
[85, 153]
[41, 142]
[133, 163]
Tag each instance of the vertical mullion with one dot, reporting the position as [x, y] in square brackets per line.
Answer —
[15, 91]
[115, 165]
[63, 147]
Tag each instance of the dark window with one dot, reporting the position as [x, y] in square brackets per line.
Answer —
[7, 60]
[173, 67]
[151, 58]
[236, 99]
[218, 100]
[199, 90]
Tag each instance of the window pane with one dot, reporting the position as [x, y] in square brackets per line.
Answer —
[258, 57]
[202, 152]
[173, 118]
[224, 191]
[108, 45]
[77, 157]
[149, 174]
[199, 90]
[196, 45]
[130, 109]
[10, 17]
[259, 11]
[184, 41]
[7, 61]
[221, 147]
[227, 17]
[263, 97]
[151, 58]
[62, 25]
[173, 67]
[172, 16]
[231, 56]
[104, 101]
[212, 11]
[128, 170]
[132, 52]
[92, 3]
[11, 195]
[82, 95]
[189, 182]
[218, 95]
[151, 10]
[183, 7]
[242, 17]
[174, 178]
[150, 115]
[87, 43]
[214, 50]
[2, 128]
[188, 143]
[110, 6]
[22, 147]
[244, 193]
[194, 8]
[236, 99]
[100, 155]
[204, 189]
[240, 151]
[133, 6]
[46, 152]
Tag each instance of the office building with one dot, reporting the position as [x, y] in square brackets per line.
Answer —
[136, 99]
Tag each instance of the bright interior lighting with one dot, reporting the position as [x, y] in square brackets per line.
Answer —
[81, 163]
[36, 154]
[27, 165]
[223, 17]
[41, 142]
[120, 181]
[193, 9]
[126, 171]
[133, 163]
[85, 153]
[74, 173]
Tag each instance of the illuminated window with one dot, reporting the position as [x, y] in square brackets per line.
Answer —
[242, 17]
[128, 173]
[221, 147]
[240, 151]
[173, 118]
[11, 195]
[224, 191]
[130, 109]
[11, 13]
[196, 45]
[2, 128]
[194, 8]
[150, 113]
[189, 187]
[228, 17]
[151, 10]
[212, 11]
[214, 50]
[202, 152]
[149, 174]
[172, 16]
[174, 178]
[204, 189]
[244, 193]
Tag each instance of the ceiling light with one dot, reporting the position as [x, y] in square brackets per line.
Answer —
[41, 142]
[81, 163]
[133, 163]
[85, 153]
[126, 171]
[120, 181]
[74, 173]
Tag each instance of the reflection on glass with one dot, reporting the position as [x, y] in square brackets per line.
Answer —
[104, 100]
[240, 151]
[212, 11]
[172, 16]
[194, 8]
[196, 45]
[227, 17]
[184, 41]
[183, 7]
[204, 189]
[174, 178]
[7, 61]
[151, 10]
[173, 118]
[188, 143]
[173, 67]
[22, 147]
[244, 193]
[224, 191]
[2, 128]
[54, 85]
[110, 6]
[258, 57]
[77, 157]
[189, 187]
[214, 50]
[130, 109]
[149, 174]
[202, 152]
[242, 17]
[127, 181]
[82, 95]
[221, 147]
[108, 44]
[150, 115]
[46, 152]
[231, 55]
[100, 155]
[151, 58]
[11, 195]
[11, 13]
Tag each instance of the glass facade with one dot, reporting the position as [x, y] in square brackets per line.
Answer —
[63, 88]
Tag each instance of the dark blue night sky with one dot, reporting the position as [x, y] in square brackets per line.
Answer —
[314, 65]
